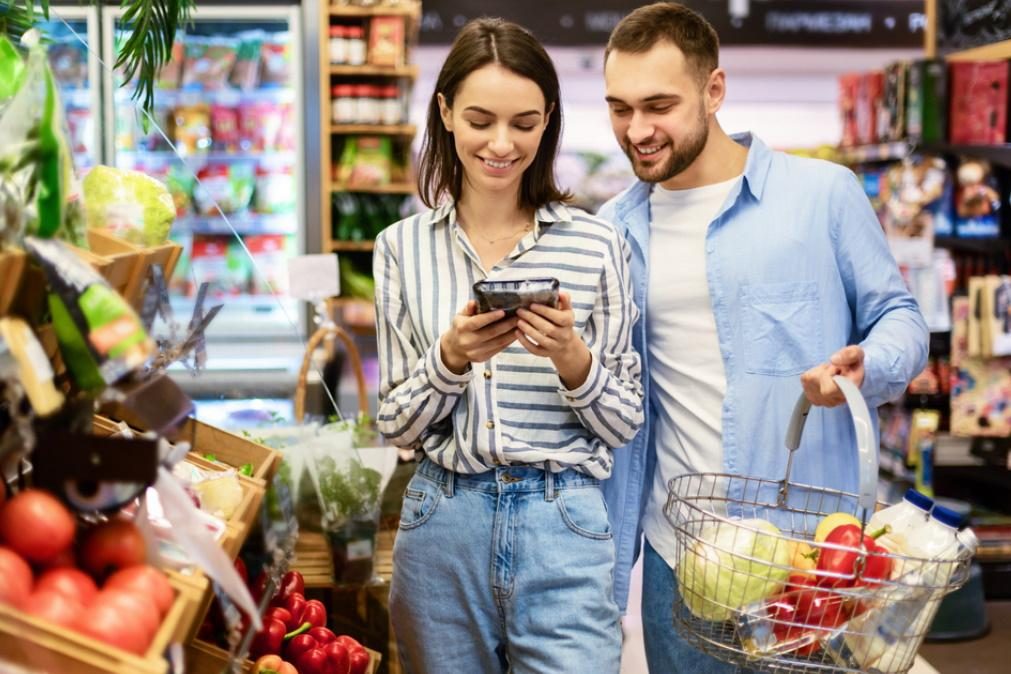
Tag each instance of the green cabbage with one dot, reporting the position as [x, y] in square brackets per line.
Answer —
[135, 206]
[718, 576]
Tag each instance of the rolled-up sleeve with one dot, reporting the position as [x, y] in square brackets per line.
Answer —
[609, 403]
[417, 390]
[889, 326]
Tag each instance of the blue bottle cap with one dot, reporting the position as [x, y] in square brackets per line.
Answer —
[946, 516]
[919, 500]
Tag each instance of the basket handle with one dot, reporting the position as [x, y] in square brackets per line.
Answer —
[867, 455]
[355, 359]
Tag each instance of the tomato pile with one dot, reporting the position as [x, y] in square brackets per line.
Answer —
[96, 583]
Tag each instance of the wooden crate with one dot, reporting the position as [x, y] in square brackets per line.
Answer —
[243, 520]
[42, 646]
[313, 559]
[12, 267]
[205, 658]
[232, 449]
[124, 264]
[196, 590]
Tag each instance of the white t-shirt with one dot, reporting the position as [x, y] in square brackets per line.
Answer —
[686, 367]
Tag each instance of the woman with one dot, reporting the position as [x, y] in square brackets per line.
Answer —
[503, 560]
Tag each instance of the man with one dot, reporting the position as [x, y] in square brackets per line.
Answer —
[759, 276]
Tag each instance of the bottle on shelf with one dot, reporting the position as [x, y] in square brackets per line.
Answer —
[356, 51]
[338, 45]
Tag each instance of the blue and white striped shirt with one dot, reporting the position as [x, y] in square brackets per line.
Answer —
[512, 409]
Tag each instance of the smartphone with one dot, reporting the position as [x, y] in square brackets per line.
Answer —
[513, 295]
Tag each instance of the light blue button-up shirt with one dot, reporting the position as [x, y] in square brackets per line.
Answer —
[797, 267]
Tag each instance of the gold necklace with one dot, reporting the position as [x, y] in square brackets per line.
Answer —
[526, 228]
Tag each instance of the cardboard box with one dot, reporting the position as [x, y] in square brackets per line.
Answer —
[386, 41]
[927, 101]
[979, 100]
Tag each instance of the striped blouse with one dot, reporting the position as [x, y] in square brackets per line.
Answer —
[512, 409]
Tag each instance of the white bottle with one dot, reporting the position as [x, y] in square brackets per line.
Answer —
[887, 635]
[903, 519]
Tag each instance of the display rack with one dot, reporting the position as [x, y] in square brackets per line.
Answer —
[335, 135]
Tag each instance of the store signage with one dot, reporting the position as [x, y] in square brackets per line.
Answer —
[962, 24]
[824, 23]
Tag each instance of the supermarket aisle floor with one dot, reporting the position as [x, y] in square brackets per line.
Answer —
[633, 655]
[988, 655]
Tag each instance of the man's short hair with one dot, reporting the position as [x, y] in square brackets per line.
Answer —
[669, 22]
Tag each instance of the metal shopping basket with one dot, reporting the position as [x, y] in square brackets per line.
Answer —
[741, 598]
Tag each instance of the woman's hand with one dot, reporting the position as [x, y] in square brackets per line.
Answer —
[548, 332]
[474, 337]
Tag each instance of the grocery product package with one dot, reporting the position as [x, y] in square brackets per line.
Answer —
[916, 203]
[245, 74]
[366, 161]
[270, 253]
[209, 61]
[220, 262]
[228, 186]
[981, 387]
[275, 60]
[100, 336]
[134, 206]
[977, 200]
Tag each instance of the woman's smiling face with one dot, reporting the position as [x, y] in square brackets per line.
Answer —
[497, 121]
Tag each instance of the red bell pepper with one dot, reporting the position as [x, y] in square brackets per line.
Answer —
[322, 634]
[862, 564]
[268, 640]
[313, 657]
[339, 657]
[359, 661]
[281, 614]
[314, 613]
[806, 610]
[295, 605]
[291, 583]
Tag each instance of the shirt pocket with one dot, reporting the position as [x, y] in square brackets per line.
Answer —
[781, 327]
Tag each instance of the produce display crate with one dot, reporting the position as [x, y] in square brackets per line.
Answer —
[41, 646]
[124, 264]
[12, 267]
[205, 658]
[313, 559]
[232, 449]
[244, 519]
[196, 589]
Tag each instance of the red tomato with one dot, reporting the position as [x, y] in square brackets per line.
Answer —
[65, 559]
[36, 525]
[114, 545]
[144, 580]
[54, 606]
[135, 606]
[111, 625]
[15, 578]
[73, 583]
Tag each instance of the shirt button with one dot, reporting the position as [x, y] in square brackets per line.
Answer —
[487, 374]
[489, 425]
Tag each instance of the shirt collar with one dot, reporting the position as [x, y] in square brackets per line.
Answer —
[547, 214]
[756, 168]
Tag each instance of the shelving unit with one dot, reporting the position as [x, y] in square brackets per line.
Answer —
[336, 134]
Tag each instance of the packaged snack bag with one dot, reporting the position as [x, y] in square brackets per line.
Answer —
[275, 61]
[270, 254]
[171, 74]
[275, 189]
[191, 128]
[215, 260]
[209, 61]
[386, 40]
[68, 60]
[224, 128]
[246, 71]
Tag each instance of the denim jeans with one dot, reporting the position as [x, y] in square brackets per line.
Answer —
[666, 651]
[505, 571]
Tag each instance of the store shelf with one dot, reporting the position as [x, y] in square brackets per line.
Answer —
[989, 52]
[243, 223]
[408, 130]
[392, 188]
[125, 157]
[982, 246]
[352, 246]
[871, 153]
[378, 10]
[176, 97]
[407, 72]
[995, 154]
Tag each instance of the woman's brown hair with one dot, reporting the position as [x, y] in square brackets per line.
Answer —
[482, 42]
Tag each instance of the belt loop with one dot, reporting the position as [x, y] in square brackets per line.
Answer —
[449, 485]
[549, 484]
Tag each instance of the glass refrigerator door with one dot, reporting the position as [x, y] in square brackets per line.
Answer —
[225, 138]
[75, 67]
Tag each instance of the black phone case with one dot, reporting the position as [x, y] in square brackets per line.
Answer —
[513, 295]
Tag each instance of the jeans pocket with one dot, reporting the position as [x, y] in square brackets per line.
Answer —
[585, 513]
[421, 498]
[781, 328]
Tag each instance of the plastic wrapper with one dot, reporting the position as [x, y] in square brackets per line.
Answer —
[512, 295]
[275, 61]
[100, 336]
[208, 62]
[191, 128]
[36, 165]
[245, 74]
[225, 186]
[224, 128]
[170, 75]
[260, 126]
[270, 253]
[366, 161]
[135, 206]
[220, 262]
[274, 189]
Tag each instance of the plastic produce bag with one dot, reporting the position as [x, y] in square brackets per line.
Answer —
[136, 207]
[36, 166]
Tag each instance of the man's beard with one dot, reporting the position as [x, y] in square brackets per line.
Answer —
[681, 156]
